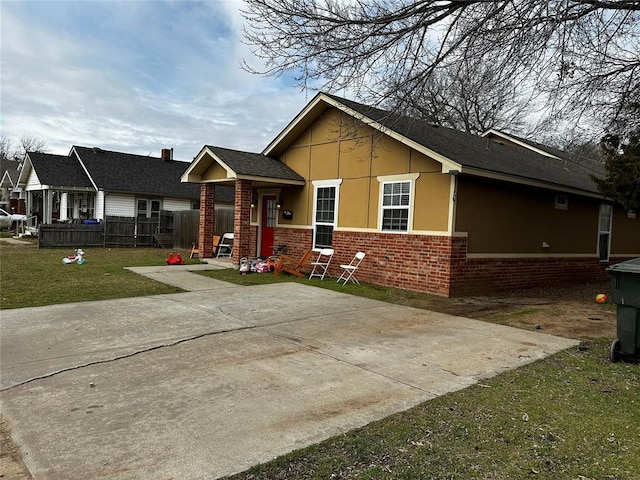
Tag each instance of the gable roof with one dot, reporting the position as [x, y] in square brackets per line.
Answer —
[58, 170]
[243, 165]
[10, 170]
[456, 150]
[126, 172]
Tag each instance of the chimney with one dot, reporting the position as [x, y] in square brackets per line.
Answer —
[167, 154]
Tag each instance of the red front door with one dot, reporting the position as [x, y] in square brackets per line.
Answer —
[268, 224]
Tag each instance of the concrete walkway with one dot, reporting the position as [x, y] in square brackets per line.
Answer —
[207, 383]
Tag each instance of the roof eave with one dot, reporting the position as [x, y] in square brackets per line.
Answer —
[530, 182]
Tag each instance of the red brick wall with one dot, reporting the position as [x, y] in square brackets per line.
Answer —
[439, 264]
[207, 220]
[479, 276]
[297, 240]
[242, 246]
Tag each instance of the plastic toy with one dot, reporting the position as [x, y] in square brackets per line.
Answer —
[177, 260]
[601, 298]
[78, 257]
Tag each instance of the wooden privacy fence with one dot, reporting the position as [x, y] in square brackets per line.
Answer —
[117, 231]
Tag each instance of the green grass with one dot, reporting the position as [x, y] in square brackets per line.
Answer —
[583, 411]
[32, 277]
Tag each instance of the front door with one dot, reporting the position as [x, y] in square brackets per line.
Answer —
[268, 224]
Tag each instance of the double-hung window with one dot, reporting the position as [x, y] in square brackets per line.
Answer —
[325, 212]
[396, 206]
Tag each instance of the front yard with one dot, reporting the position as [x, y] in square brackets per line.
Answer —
[574, 415]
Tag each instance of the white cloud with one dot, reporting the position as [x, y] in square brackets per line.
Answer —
[136, 77]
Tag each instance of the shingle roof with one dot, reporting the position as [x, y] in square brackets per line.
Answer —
[254, 164]
[11, 168]
[480, 153]
[126, 172]
[59, 170]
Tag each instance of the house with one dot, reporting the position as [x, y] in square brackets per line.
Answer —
[9, 198]
[92, 183]
[436, 210]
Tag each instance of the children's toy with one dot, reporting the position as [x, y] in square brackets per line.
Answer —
[77, 257]
[245, 266]
[601, 298]
[177, 260]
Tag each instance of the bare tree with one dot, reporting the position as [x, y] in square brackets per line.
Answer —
[16, 151]
[581, 56]
[474, 98]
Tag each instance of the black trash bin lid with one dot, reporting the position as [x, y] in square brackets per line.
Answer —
[630, 266]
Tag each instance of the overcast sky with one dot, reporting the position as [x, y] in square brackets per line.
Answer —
[136, 76]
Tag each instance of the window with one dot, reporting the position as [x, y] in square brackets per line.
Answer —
[604, 231]
[146, 208]
[561, 202]
[325, 212]
[395, 205]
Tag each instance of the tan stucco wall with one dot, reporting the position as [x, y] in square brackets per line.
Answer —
[334, 147]
[504, 218]
[625, 233]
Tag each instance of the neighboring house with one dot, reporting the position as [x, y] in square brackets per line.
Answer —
[436, 210]
[9, 196]
[91, 183]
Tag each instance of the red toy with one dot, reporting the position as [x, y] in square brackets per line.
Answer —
[177, 260]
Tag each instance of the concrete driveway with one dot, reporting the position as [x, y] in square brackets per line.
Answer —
[207, 383]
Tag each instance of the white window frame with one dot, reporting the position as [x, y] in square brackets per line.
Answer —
[561, 201]
[604, 230]
[148, 212]
[317, 184]
[388, 179]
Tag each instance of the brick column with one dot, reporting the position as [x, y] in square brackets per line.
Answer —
[207, 220]
[242, 222]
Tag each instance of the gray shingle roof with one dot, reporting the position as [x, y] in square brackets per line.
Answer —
[11, 167]
[480, 153]
[126, 172]
[59, 170]
[254, 164]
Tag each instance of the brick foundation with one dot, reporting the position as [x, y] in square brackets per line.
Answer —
[439, 264]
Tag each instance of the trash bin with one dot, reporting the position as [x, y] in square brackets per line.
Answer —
[625, 290]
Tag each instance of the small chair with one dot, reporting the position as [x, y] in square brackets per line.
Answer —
[225, 247]
[194, 250]
[321, 265]
[291, 265]
[348, 271]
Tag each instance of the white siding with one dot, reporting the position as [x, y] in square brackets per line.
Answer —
[120, 205]
[33, 182]
[176, 204]
[99, 212]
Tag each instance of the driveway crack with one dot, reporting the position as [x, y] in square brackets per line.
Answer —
[127, 355]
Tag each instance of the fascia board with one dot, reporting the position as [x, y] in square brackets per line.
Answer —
[26, 168]
[447, 163]
[526, 145]
[184, 178]
[320, 97]
[84, 167]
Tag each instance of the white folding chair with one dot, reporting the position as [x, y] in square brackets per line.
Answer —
[348, 271]
[321, 264]
[225, 247]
